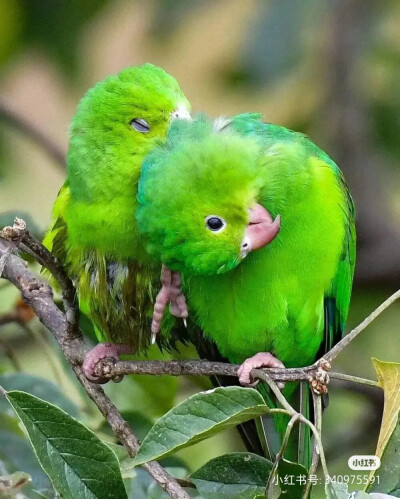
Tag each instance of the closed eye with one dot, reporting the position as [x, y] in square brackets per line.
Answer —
[140, 125]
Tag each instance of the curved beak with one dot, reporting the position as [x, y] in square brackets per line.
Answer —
[260, 231]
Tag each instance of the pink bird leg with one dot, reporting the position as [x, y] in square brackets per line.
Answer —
[170, 292]
[102, 351]
[261, 359]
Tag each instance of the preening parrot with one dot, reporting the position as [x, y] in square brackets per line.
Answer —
[258, 223]
[93, 231]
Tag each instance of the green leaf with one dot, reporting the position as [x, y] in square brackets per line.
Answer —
[298, 472]
[198, 417]
[40, 387]
[125, 460]
[76, 461]
[388, 447]
[389, 471]
[389, 379]
[241, 475]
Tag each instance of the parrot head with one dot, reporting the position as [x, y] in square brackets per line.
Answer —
[197, 199]
[120, 119]
[142, 99]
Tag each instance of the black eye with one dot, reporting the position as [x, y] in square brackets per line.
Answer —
[214, 223]
[140, 125]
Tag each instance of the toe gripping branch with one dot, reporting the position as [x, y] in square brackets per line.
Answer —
[100, 360]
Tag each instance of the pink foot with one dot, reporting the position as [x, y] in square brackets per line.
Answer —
[170, 292]
[102, 351]
[261, 359]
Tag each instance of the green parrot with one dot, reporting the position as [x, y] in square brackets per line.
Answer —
[93, 230]
[258, 223]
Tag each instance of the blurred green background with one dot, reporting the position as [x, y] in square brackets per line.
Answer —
[329, 68]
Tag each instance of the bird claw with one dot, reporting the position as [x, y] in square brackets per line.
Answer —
[319, 382]
[171, 293]
[261, 359]
[98, 353]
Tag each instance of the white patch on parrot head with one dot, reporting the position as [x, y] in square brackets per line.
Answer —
[181, 113]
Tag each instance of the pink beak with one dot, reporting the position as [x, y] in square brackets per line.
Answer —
[260, 230]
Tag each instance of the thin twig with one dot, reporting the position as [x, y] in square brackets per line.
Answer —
[334, 352]
[257, 373]
[39, 295]
[279, 455]
[317, 436]
[263, 376]
[354, 379]
[317, 405]
[19, 123]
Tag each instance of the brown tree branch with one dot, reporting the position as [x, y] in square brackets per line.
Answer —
[109, 368]
[19, 235]
[38, 295]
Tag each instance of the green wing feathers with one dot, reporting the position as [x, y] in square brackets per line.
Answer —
[56, 237]
[117, 296]
[337, 298]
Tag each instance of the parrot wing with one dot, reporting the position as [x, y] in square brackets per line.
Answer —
[337, 297]
[56, 237]
[105, 284]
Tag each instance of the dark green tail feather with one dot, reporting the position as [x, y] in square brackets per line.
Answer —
[299, 447]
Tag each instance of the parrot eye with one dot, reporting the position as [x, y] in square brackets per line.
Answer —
[215, 223]
[140, 125]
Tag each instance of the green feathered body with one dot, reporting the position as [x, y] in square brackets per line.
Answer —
[291, 297]
[286, 297]
[94, 233]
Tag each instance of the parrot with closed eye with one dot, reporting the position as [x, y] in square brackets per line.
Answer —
[93, 230]
[254, 225]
